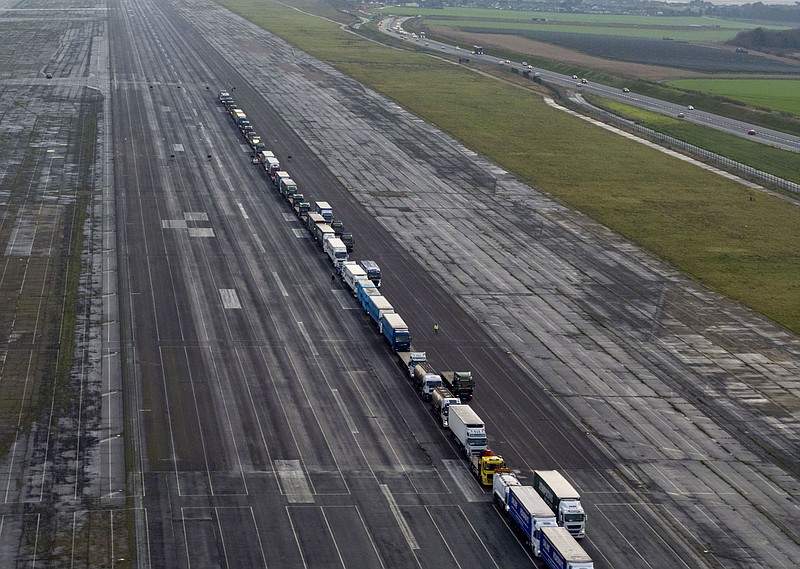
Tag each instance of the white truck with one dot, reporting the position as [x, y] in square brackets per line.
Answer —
[410, 359]
[351, 272]
[559, 550]
[336, 252]
[468, 430]
[441, 400]
[426, 379]
[325, 210]
[562, 499]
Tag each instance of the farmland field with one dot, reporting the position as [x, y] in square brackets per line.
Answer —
[655, 52]
[699, 34]
[600, 19]
[776, 94]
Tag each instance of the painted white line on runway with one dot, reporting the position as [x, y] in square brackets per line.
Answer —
[398, 516]
[347, 418]
[241, 208]
[464, 480]
[301, 233]
[195, 216]
[230, 300]
[201, 232]
[173, 224]
[259, 244]
[293, 482]
[280, 284]
[311, 345]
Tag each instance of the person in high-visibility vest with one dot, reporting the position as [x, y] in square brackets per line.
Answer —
[436, 328]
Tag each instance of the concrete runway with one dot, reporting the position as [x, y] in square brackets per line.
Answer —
[268, 424]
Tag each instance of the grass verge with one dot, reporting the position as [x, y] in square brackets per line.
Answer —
[714, 230]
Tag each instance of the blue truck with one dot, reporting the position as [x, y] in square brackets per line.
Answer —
[526, 508]
[373, 271]
[365, 289]
[396, 332]
[376, 306]
[559, 550]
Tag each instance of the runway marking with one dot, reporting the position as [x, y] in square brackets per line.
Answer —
[289, 217]
[347, 418]
[195, 216]
[280, 284]
[173, 224]
[201, 232]
[177, 147]
[310, 343]
[300, 233]
[293, 482]
[230, 300]
[259, 244]
[398, 516]
[241, 209]
[464, 480]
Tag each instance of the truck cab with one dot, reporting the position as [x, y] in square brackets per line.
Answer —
[441, 400]
[485, 465]
[373, 271]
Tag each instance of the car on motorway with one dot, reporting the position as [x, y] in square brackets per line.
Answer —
[751, 132]
[574, 76]
[49, 76]
[690, 107]
[585, 81]
[681, 115]
[626, 90]
[524, 64]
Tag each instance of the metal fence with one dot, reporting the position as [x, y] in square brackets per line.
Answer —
[724, 163]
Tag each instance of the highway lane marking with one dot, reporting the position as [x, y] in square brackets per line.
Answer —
[293, 482]
[398, 516]
[230, 299]
[241, 209]
[464, 480]
[280, 284]
[347, 418]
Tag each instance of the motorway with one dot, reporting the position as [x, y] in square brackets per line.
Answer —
[266, 421]
[731, 126]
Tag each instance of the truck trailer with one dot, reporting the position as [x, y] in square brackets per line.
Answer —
[468, 430]
[325, 210]
[460, 384]
[562, 499]
[363, 290]
[376, 306]
[441, 400]
[559, 550]
[396, 332]
[529, 514]
[336, 252]
[351, 272]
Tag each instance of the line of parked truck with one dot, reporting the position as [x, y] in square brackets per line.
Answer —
[547, 515]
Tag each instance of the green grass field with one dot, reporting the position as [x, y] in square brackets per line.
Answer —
[705, 225]
[776, 94]
[778, 162]
[651, 21]
[678, 34]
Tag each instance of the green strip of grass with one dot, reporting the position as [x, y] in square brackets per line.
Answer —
[781, 163]
[705, 225]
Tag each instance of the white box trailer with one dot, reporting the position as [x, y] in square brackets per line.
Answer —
[351, 272]
[468, 429]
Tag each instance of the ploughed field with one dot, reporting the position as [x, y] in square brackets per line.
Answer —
[665, 53]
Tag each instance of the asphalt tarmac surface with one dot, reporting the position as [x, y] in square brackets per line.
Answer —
[267, 422]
